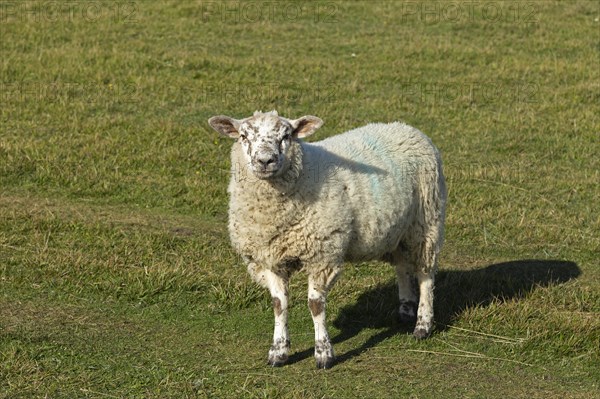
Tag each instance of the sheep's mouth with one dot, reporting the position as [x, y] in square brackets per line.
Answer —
[265, 173]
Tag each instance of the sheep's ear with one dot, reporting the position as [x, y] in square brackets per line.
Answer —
[225, 125]
[305, 126]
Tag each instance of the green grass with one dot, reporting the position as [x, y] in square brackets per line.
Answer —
[116, 274]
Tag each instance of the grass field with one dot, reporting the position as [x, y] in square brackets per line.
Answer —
[116, 275]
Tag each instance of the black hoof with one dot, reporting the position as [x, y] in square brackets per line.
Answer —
[325, 364]
[278, 354]
[276, 363]
[421, 333]
[407, 314]
[406, 319]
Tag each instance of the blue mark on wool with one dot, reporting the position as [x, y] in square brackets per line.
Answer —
[372, 143]
[382, 150]
[374, 179]
[375, 186]
[376, 146]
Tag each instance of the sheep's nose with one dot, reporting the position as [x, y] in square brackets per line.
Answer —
[265, 160]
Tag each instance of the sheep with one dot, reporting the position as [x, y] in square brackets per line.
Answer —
[374, 193]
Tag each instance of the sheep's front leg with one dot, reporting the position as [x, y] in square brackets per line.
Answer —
[318, 287]
[278, 286]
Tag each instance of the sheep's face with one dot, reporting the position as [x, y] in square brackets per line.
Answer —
[266, 138]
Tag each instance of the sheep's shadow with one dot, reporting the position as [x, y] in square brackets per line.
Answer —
[456, 290]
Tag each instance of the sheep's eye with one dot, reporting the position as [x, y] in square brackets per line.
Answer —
[286, 137]
[243, 138]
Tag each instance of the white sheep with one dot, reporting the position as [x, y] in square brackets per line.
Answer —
[376, 192]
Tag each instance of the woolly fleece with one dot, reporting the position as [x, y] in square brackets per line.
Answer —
[355, 196]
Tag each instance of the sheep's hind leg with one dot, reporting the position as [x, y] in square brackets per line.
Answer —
[278, 286]
[424, 325]
[405, 271]
[318, 287]
[426, 267]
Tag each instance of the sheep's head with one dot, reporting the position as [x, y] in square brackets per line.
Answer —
[266, 138]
